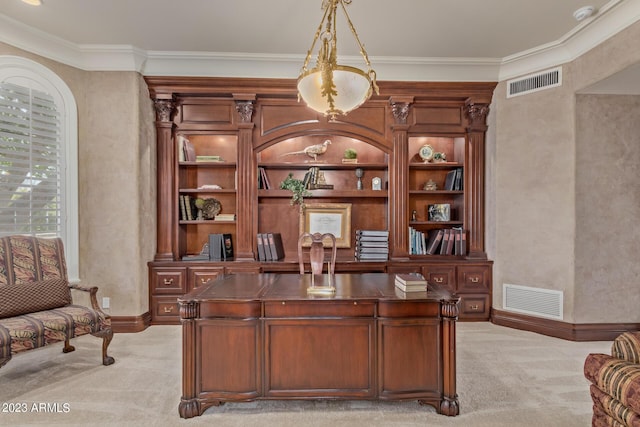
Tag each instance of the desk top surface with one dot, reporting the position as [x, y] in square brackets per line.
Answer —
[271, 287]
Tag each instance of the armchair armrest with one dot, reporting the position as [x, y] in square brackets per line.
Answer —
[626, 346]
[93, 295]
[617, 378]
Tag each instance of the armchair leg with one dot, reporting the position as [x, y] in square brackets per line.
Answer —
[68, 348]
[106, 336]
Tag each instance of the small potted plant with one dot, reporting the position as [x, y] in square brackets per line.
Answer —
[350, 156]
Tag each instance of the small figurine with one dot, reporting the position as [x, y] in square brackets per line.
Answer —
[430, 185]
[414, 215]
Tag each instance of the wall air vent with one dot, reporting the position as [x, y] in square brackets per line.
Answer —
[534, 301]
[534, 82]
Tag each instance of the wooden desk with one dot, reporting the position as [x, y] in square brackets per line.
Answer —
[261, 336]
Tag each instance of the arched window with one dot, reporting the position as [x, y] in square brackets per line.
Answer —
[38, 155]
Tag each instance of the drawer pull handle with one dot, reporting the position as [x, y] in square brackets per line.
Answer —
[474, 307]
[438, 279]
[284, 302]
[168, 309]
[203, 280]
[355, 303]
[168, 281]
[474, 279]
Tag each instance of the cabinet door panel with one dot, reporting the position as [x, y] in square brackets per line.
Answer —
[229, 358]
[307, 358]
[409, 358]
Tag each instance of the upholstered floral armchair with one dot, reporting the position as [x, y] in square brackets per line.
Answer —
[615, 383]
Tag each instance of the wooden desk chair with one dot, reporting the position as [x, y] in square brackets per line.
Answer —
[316, 252]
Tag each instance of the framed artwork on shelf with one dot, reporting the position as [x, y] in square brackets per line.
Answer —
[334, 218]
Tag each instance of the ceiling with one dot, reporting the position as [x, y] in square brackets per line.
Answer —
[402, 37]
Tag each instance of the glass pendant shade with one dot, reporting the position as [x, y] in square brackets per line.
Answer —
[352, 89]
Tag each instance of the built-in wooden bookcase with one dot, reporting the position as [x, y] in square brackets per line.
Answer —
[255, 124]
[369, 208]
[199, 180]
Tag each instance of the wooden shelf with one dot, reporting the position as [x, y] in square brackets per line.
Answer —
[279, 194]
[326, 166]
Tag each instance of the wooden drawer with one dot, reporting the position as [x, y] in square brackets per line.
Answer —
[330, 308]
[474, 307]
[165, 310]
[474, 278]
[199, 276]
[168, 280]
[443, 275]
[242, 268]
[398, 309]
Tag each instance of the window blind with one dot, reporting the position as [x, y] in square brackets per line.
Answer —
[30, 162]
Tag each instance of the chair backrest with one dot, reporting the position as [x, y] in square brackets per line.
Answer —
[316, 252]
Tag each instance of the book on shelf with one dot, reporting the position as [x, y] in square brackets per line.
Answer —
[371, 243]
[189, 150]
[263, 179]
[276, 248]
[435, 237]
[372, 233]
[225, 217]
[372, 257]
[212, 158]
[267, 248]
[450, 180]
[458, 180]
[372, 250]
[188, 209]
[181, 139]
[227, 247]
[216, 247]
[261, 253]
[439, 212]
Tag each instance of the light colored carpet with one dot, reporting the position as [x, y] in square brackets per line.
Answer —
[505, 377]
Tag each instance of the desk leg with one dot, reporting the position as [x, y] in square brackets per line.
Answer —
[449, 404]
[189, 406]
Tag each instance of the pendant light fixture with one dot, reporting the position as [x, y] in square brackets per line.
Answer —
[328, 87]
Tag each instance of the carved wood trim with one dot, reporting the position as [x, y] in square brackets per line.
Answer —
[563, 330]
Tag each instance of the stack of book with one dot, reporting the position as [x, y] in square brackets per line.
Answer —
[372, 245]
[220, 247]
[270, 247]
[225, 217]
[411, 282]
[443, 241]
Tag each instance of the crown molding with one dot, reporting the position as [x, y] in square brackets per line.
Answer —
[607, 22]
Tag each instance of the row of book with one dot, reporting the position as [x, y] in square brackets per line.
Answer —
[453, 180]
[443, 241]
[372, 245]
[314, 180]
[411, 282]
[218, 248]
[190, 212]
[263, 179]
[270, 247]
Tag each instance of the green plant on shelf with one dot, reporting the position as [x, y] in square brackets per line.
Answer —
[298, 188]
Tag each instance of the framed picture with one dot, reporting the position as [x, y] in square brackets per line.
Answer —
[334, 218]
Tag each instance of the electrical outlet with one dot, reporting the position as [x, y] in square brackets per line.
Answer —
[106, 303]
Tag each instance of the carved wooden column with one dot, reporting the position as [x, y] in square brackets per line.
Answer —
[398, 177]
[165, 107]
[247, 178]
[474, 180]
[449, 311]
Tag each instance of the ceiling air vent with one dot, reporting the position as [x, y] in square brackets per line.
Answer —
[534, 82]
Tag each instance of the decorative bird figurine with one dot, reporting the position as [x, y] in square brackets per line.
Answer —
[312, 150]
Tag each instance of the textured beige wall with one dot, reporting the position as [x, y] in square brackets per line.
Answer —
[116, 180]
[607, 208]
[545, 188]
